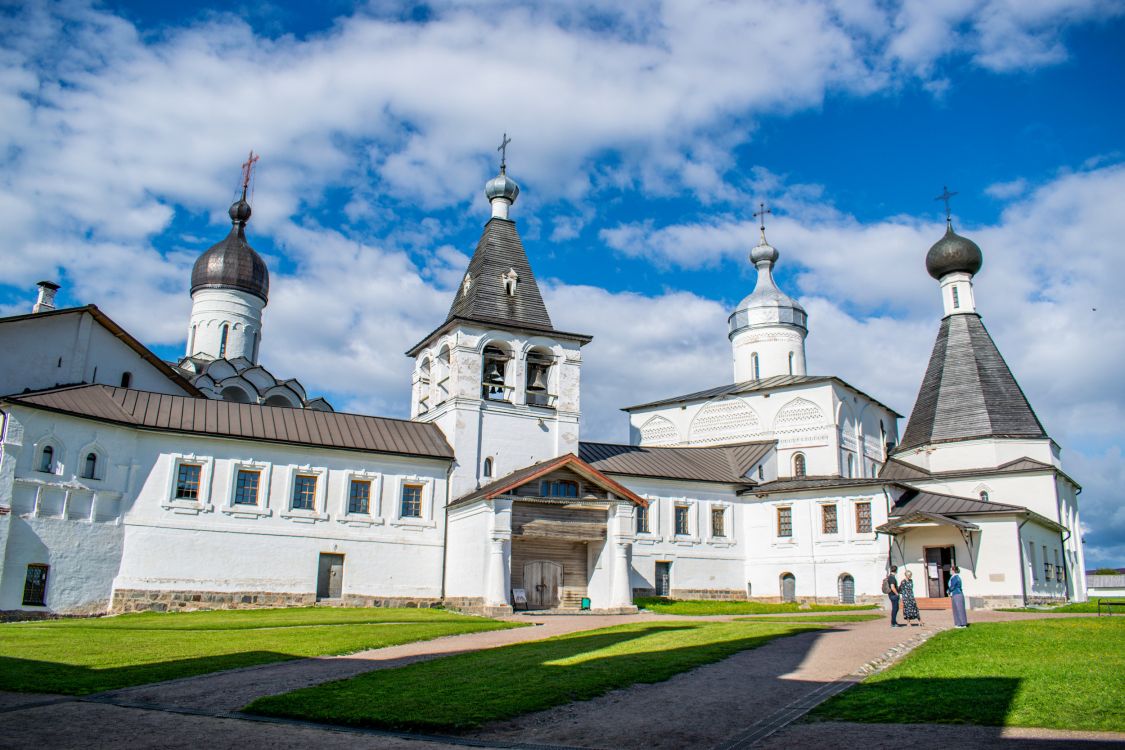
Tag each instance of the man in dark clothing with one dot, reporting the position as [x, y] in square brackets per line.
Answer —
[892, 592]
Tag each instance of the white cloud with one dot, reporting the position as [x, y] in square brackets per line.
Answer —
[1007, 190]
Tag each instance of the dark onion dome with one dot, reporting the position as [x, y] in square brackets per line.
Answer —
[232, 263]
[953, 253]
[502, 186]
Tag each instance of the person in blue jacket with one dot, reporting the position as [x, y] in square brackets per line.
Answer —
[958, 599]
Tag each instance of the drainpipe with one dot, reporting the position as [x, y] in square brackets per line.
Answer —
[1023, 571]
[445, 529]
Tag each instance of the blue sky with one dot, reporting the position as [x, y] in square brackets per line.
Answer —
[643, 139]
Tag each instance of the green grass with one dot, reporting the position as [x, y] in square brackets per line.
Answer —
[815, 618]
[468, 690]
[1087, 607]
[78, 657]
[1058, 674]
[722, 607]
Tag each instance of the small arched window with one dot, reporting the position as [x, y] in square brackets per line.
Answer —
[874, 470]
[761, 472]
[851, 466]
[493, 374]
[126, 379]
[223, 340]
[90, 469]
[790, 363]
[984, 496]
[486, 470]
[47, 459]
[799, 469]
[754, 368]
[538, 385]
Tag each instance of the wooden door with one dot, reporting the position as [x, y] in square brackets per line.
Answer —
[847, 590]
[788, 588]
[330, 576]
[542, 580]
[664, 579]
[939, 564]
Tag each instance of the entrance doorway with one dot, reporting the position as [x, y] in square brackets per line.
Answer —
[330, 576]
[663, 579]
[939, 562]
[542, 580]
[788, 587]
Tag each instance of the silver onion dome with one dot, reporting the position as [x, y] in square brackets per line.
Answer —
[232, 263]
[953, 253]
[767, 305]
[502, 186]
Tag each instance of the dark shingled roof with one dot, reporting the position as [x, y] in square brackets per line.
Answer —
[753, 386]
[499, 250]
[968, 391]
[201, 416]
[726, 464]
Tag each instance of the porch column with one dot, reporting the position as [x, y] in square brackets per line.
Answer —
[621, 591]
[499, 556]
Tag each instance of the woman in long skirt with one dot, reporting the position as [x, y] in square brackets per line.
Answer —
[910, 611]
[957, 598]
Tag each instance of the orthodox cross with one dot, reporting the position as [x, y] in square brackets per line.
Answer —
[247, 168]
[503, 149]
[944, 197]
[761, 214]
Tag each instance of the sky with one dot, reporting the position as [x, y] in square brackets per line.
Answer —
[644, 135]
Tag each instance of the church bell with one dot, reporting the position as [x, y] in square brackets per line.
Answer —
[493, 374]
[538, 383]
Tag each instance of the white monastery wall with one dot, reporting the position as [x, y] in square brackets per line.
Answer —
[467, 550]
[986, 453]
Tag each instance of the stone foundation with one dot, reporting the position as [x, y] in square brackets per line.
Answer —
[474, 605]
[710, 594]
[143, 600]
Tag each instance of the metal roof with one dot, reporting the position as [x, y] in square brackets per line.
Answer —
[231, 263]
[813, 483]
[201, 416]
[921, 501]
[756, 386]
[727, 464]
[968, 391]
[520, 477]
[898, 470]
[482, 298]
[172, 373]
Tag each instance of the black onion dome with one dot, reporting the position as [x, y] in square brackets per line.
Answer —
[232, 263]
[953, 253]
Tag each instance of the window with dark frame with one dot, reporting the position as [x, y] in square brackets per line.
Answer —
[799, 465]
[47, 459]
[359, 496]
[35, 586]
[642, 519]
[187, 481]
[246, 487]
[863, 518]
[411, 501]
[682, 528]
[718, 522]
[828, 523]
[558, 488]
[785, 522]
[90, 470]
[304, 492]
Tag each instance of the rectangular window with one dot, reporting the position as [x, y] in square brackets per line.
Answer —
[359, 496]
[304, 492]
[956, 300]
[411, 501]
[718, 522]
[785, 522]
[863, 518]
[1046, 564]
[1058, 567]
[35, 586]
[682, 520]
[558, 488]
[246, 487]
[187, 481]
[642, 519]
[1031, 562]
[828, 519]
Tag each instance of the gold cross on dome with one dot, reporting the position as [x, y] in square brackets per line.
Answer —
[247, 168]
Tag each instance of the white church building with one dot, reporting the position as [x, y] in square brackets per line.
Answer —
[129, 483]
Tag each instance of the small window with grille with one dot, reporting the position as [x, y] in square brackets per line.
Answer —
[718, 522]
[411, 501]
[304, 492]
[187, 481]
[35, 586]
[785, 522]
[642, 520]
[359, 496]
[828, 519]
[682, 526]
[246, 487]
[863, 518]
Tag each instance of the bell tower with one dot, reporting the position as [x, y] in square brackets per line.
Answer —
[497, 377]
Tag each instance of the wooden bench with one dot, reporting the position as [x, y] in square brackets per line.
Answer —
[1109, 604]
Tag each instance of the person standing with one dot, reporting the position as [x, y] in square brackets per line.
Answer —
[957, 598]
[890, 588]
[910, 611]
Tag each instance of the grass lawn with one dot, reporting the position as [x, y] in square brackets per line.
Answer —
[720, 607]
[467, 690]
[860, 617]
[90, 655]
[1088, 607]
[1058, 674]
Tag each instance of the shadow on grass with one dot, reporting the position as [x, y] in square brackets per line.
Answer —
[463, 692]
[985, 701]
[33, 676]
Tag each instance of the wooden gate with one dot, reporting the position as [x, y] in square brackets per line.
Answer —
[330, 576]
[542, 580]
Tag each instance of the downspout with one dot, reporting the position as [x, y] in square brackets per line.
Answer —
[890, 537]
[445, 530]
[1023, 571]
